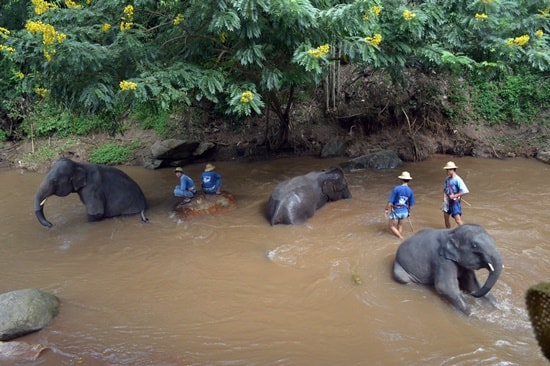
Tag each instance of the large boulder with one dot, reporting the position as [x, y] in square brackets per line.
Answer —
[384, 159]
[174, 152]
[206, 205]
[25, 311]
[544, 156]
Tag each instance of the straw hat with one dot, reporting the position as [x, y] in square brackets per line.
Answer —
[209, 167]
[179, 169]
[450, 165]
[405, 176]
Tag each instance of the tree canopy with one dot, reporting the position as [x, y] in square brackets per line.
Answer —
[247, 56]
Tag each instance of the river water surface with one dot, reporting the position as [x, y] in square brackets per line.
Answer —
[233, 290]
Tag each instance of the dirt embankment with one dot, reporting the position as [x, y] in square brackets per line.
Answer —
[370, 113]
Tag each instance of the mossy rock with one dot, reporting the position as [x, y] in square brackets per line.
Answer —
[206, 205]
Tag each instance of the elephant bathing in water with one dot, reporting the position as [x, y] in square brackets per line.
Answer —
[295, 200]
[104, 190]
[447, 259]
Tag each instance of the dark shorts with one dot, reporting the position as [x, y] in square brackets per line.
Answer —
[454, 208]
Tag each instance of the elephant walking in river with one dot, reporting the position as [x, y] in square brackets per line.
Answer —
[447, 259]
[295, 200]
[105, 191]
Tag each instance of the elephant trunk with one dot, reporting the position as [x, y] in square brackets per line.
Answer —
[39, 201]
[495, 269]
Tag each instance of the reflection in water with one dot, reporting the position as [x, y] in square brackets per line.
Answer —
[235, 290]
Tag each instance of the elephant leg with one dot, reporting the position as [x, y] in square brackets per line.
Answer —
[400, 275]
[449, 289]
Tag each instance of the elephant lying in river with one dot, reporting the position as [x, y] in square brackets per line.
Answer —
[295, 200]
[447, 259]
[106, 191]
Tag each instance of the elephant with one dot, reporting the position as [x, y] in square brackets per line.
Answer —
[447, 259]
[105, 191]
[295, 200]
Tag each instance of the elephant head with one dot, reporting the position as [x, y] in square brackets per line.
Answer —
[64, 178]
[471, 247]
[334, 184]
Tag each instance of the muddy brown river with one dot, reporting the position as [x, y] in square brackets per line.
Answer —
[233, 290]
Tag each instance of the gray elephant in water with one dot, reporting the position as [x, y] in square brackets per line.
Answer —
[447, 259]
[295, 200]
[104, 190]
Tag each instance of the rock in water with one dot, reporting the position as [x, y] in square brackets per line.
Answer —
[25, 311]
[206, 204]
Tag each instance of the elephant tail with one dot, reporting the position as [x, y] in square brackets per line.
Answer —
[143, 217]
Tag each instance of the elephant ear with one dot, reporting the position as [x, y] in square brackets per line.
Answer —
[329, 187]
[449, 249]
[78, 179]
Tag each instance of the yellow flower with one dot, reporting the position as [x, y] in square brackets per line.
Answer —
[376, 10]
[539, 33]
[126, 20]
[408, 15]
[223, 37]
[179, 18]
[41, 91]
[88, 2]
[127, 85]
[49, 34]
[486, 1]
[365, 16]
[481, 16]
[4, 33]
[129, 11]
[105, 27]
[72, 4]
[42, 6]
[247, 96]
[6, 48]
[518, 41]
[19, 75]
[319, 51]
[374, 40]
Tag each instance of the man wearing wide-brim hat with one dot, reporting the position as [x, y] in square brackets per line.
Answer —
[211, 181]
[453, 190]
[186, 188]
[399, 205]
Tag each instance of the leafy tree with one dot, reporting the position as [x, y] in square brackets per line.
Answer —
[249, 56]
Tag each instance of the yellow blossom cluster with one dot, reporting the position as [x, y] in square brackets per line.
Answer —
[178, 19]
[49, 34]
[127, 85]
[247, 96]
[486, 1]
[43, 92]
[374, 40]
[42, 6]
[375, 10]
[539, 33]
[72, 4]
[408, 15]
[105, 27]
[6, 48]
[319, 51]
[481, 16]
[518, 41]
[19, 75]
[126, 21]
[4, 33]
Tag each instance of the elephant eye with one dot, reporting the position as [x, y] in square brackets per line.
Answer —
[474, 245]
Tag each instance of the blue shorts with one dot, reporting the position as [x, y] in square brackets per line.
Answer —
[454, 208]
[400, 215]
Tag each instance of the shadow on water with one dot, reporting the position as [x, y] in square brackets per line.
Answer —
[234, 290]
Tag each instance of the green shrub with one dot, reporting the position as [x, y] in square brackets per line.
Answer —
[113, 153]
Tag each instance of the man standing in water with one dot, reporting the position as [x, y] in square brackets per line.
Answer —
[453, 190]
[399, 205]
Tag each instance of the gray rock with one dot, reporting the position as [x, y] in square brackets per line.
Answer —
[544, 156]
[25, 311]
[333, 148]
[384, 159]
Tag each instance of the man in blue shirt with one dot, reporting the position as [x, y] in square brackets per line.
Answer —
[453, 190]
[399, 205]
[186, 188]
[211, 181]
